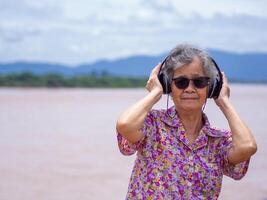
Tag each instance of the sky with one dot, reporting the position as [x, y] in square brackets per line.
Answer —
[84, 31]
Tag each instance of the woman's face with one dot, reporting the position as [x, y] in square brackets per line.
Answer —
[190, 98]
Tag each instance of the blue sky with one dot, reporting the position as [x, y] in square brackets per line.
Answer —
[81, 31]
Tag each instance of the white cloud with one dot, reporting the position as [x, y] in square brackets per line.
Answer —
[81, 31]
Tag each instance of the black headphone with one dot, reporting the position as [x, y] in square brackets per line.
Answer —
[214, 88]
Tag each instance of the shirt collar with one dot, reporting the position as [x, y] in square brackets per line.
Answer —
[171, 118]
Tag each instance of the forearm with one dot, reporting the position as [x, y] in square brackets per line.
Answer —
[244, 144]
[133, 118]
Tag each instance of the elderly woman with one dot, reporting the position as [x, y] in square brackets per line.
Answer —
[179, 154]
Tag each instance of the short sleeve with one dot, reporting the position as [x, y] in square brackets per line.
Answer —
[128, 148]
[237, 171]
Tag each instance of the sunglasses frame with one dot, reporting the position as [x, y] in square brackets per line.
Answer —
[204, 79]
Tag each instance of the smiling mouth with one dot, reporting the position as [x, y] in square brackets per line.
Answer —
[189, 98]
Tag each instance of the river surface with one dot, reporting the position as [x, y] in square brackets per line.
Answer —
[60, 144]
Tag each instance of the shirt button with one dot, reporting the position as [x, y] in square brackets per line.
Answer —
[189, 184]
[190, 157]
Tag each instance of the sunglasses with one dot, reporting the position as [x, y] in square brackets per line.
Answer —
[199, 82]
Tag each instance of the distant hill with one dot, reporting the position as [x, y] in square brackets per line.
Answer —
[250, 67]
[242, 67]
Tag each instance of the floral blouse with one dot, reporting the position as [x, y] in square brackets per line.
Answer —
[168, 167]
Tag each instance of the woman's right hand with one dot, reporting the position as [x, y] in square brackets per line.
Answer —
[153, 84]
[132, 120]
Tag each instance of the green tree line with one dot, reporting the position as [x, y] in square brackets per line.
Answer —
[27, 79]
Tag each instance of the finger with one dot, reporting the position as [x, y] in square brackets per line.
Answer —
[147, 87]
[225, 80]
[225, 84]
[156, 69]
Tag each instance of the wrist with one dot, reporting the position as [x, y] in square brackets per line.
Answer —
[224, 104]
[156, 94]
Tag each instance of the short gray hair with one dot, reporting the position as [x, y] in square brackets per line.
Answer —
[184, 54]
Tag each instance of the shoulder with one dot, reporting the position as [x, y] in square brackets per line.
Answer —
[217, 132]
[156, 114]
[166, 117]
[152, 117]
[221, 138]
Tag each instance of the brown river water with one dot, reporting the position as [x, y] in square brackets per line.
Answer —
[60, 144]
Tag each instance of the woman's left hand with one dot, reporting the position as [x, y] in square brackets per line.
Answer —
[243, 141]
[225, 92]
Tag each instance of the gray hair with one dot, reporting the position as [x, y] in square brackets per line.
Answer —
[184, 54]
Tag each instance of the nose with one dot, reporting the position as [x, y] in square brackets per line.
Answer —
[191, 88]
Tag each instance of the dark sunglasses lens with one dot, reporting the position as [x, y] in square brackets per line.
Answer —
[201, 82]
[182, 82]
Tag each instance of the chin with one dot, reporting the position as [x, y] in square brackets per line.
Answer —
[192, 109]
[189, 107]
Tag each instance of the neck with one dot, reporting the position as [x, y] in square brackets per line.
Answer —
[192, 121]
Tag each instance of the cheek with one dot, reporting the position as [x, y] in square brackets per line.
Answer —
[203, 93]
[176, 97]
[176, 93]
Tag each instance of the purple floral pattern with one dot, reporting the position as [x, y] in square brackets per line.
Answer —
[167, 166]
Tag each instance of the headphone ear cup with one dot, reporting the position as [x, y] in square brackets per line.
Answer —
[218, 87]
[216, 84]
[213, 89]
[163, 79]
